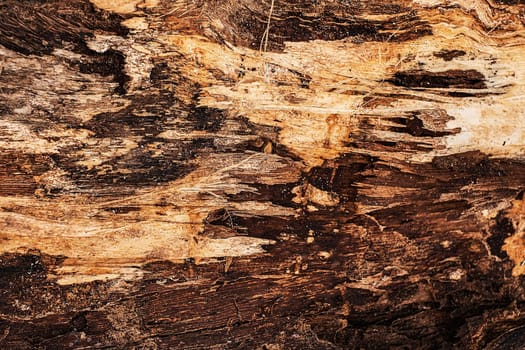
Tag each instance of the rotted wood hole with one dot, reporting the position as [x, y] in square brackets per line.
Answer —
[219, 174]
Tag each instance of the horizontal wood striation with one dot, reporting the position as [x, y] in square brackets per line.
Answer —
[262, 175]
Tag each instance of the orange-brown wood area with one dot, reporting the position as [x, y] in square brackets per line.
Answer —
[262, 174]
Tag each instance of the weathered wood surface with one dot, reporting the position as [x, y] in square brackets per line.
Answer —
[248, 175]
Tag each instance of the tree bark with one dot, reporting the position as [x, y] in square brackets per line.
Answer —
[262, 174]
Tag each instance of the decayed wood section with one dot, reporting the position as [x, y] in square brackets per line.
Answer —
[262, 174]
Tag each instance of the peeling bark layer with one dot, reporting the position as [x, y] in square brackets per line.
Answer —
[257, 175]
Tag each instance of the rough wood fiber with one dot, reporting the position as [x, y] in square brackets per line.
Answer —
[232, 174]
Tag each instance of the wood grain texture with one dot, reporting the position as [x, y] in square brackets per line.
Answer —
[235, 175]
